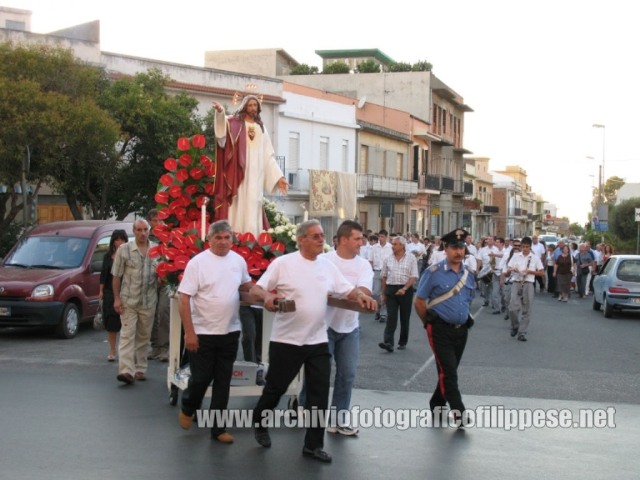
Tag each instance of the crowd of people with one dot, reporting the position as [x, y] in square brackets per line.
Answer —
[386, 274]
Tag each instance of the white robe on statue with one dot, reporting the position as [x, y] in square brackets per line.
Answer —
[261, 174]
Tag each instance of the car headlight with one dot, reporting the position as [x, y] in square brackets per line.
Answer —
[42, 292]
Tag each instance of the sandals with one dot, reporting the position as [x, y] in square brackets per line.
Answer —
[111, 358]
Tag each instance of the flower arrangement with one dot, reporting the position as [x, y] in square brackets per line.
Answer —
[182, 191]
[182, 202]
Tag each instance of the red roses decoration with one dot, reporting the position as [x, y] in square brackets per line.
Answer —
[190, 178]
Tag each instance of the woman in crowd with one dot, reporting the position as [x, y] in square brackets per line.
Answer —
[549, 262]
[607, 251]
[563, 270]
[111, 318]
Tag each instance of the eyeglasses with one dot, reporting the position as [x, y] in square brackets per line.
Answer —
[316, 236]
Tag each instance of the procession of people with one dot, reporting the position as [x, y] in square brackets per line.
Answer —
[387, 275]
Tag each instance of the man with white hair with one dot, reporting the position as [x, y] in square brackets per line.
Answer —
[399, 273]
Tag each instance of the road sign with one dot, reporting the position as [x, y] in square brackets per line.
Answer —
[637, 214]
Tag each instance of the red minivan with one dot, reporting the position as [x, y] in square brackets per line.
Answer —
[51, 276]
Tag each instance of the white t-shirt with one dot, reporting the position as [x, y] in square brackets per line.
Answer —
[519, 263]
[378, 253]
[359, 274]
[416, 249]
[307, 282]
[471, 263]
[212, 282]
[538, 249]
[471, 248]
[437, 256]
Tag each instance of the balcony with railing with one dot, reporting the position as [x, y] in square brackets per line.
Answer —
[445, 184]
[367, 185]
[378, 186]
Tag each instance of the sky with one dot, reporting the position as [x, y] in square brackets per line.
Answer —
[538, 75]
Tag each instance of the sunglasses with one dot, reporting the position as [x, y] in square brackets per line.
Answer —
[316, 236]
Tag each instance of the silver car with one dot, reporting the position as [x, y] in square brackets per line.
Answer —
[617, 285]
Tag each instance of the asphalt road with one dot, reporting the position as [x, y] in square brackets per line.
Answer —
[64, 415]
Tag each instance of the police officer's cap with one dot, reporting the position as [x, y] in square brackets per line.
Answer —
[455, 238]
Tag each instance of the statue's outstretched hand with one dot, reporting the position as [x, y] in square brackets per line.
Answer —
[283, 185]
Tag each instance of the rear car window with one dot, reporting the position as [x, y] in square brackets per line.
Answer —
[629, 271]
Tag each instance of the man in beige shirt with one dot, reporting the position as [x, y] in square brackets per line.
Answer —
[135, 297]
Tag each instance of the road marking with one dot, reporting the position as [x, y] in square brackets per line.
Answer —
[429, 361]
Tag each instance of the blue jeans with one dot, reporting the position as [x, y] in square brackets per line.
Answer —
[345, 350]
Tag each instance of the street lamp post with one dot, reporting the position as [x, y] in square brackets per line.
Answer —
[601, 195]
[603, 180]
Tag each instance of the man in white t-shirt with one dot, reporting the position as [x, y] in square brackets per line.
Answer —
[209, 304]
[344, 325]
[299, 338]
[540, 250]
[416, 248]
[523, 268]
[377, 254]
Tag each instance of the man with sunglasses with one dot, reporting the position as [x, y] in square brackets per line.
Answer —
[299, 338]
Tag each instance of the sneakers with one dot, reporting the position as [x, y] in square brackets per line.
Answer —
[383, 318]
[386, 346]
[514, 332]
[522, 337]
[402, 347]
[348, 431]
[185, 420]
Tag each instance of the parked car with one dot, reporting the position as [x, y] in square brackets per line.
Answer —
[617, 285]
[51, 276]
[548, 239]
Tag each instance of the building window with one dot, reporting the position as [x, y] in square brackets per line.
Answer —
[399, 158]
[324, 153]
[345, 155]
[294, 159]
[363, 167]
[363, 219]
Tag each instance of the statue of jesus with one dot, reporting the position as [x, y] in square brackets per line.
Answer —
[246, 167]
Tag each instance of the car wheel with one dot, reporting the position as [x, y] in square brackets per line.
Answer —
[608, 309]
[69, 323]
[596, 305]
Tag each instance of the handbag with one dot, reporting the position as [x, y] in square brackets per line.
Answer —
[98, 320]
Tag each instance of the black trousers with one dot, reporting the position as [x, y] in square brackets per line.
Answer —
[397, 304]
[551, 282]
[447, 344]
[213, 361]
[285, 361]
[251, 319]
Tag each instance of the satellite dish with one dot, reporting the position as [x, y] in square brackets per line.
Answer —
[362, 101]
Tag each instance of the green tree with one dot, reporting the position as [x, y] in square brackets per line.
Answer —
[576, 229]
[336, 67]
[421, 66]
[45, 96]
[303, 69]
[150, 123]
[400, 67]
[611, 188]
[368, 66]
[622, 219]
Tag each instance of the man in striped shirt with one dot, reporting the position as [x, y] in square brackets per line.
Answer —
[399, 273]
